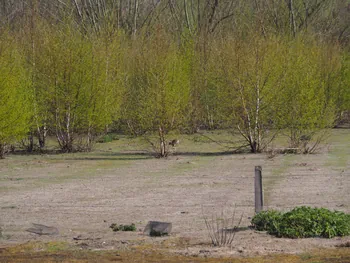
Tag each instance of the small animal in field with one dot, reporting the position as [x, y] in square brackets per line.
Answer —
[174, 142]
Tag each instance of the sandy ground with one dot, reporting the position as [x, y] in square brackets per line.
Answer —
[82, 194]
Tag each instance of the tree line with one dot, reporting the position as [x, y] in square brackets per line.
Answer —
[77, 69]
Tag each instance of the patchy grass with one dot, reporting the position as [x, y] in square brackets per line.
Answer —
[339, 151]
[60, 252]
[277, 175]
[33, 247]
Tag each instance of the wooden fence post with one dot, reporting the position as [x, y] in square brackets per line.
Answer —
[258, 189]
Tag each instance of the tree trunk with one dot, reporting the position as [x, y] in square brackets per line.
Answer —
[41, 134]
[292, 17]
[30, 147]
[64, 135]
[257, 132]
[254, 146]
[134, 29]
[2, 151]
[162, 149]
[90, 138]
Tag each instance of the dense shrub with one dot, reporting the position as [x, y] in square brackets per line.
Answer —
[267, 221]
[303, 222]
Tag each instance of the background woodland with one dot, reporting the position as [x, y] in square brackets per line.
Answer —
[77, 69]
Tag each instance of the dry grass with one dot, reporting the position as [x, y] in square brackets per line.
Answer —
[58, 252]
[83, 193]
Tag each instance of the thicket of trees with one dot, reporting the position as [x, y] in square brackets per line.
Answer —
[73, 68]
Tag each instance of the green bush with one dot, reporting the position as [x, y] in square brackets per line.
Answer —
[267, 221]
[116, 227]
[303, 222]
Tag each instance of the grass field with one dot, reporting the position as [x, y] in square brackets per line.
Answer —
[81, 194]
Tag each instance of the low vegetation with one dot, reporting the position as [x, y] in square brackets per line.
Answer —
[116, 227]
[303, 222]
[59, 252]
[222, 228]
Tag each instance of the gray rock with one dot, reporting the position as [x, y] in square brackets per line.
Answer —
[157, 229]
[43, 230]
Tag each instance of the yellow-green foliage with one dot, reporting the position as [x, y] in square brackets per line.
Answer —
[342, 94]
[265, 83]
[15, 108]
[84, 78]
[158, 85]
[82, 74]
[304, 106]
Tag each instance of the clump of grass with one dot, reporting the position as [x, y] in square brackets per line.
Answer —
[116, 227]
[303, 222]
[29, 247]
[55, 246]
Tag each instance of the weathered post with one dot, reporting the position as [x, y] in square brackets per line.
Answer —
[258, 189]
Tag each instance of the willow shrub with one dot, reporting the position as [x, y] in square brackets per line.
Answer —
[15, 94]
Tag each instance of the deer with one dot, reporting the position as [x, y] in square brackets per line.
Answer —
[174, 142]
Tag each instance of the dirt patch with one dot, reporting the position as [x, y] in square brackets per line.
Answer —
[83, 194]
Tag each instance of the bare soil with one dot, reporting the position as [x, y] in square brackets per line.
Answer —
[83, 194]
